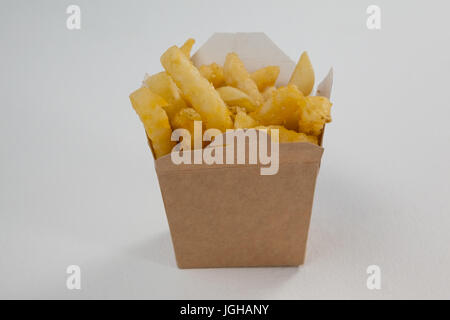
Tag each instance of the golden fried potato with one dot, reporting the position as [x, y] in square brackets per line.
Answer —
[282, 108]
[322, 104]
[185, 119]
[265, 77]
[286, 135]
[243, 121]
[197, 90]
[163, 85]
[149, 107]
[303, 75]
[213, 73]
[237, 76]
[235, 109]
[267, 93]
[314, 115]
[187, 47]
[235, 97]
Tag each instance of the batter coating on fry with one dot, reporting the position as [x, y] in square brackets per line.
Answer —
[237, 76]
[197, 90]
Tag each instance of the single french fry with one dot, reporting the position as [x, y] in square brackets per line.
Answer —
[186, 48]
[163, 85]
[282, 108]
[149, 107]
[244, 121]
[286, 135]
[236, 97]
[197, 90]
[185, 119]
[303, 75]
[213, 73]
[265, 77]
[237, 76]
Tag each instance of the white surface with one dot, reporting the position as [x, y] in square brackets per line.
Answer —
[77, 180]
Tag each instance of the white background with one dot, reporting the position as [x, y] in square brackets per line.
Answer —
[78, 184]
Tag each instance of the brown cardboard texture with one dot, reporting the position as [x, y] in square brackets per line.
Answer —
[229, 215]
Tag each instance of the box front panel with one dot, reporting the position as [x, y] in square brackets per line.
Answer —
[230, 217]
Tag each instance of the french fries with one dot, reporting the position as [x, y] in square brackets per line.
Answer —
[237, 76]
[243, 121]
[149, 107]
[265, 77]
[228, 97]
[289, 107]
[197, 90]
[185, 119]
[213, 73]
[163, 85]
[282, 108]
[187, 47]
[235, 97]
[267, 93]
[303, 75]
[314, 115]
[322, 104]
[286, 135]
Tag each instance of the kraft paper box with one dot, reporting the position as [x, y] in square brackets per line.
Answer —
[231, 215]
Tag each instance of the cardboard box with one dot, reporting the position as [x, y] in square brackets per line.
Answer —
[231, 215]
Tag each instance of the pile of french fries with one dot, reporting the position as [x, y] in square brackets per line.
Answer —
[228, 97]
